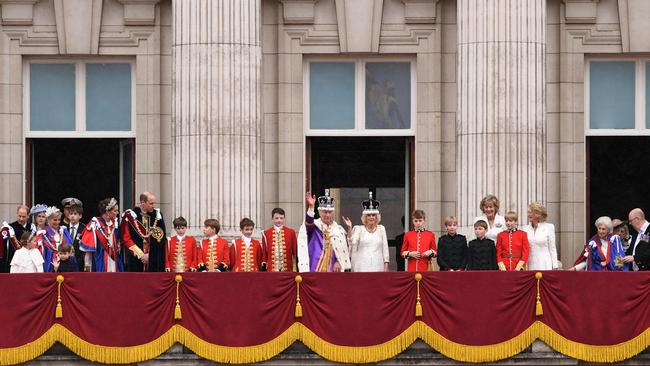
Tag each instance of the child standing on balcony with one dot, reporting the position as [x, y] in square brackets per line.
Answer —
[182, 252]
[419, 244]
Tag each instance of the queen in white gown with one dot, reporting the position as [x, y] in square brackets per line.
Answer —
[541, 236]
[368, 242]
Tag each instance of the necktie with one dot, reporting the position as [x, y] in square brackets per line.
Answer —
[72, 232]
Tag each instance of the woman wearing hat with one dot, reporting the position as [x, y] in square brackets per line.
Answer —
[39, 220]
[368, 242]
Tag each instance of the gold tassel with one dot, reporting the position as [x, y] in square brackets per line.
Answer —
[58, 313]
[298, 313]
[177, 310]
[418, 305]
[538, 306]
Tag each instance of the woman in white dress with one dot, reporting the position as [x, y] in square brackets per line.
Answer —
[496, 223]
[541, 236]
[368, 242]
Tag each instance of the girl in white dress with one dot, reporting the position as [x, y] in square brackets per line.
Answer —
[28, 258]
[541, 236]
[368, 242]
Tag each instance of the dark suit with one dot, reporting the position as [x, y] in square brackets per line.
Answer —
[5, 263]
[642, 252]
[76, 238]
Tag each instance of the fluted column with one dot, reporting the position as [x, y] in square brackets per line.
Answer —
[216, 93]
[501, 104]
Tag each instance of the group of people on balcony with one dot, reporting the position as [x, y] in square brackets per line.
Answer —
[137, 241]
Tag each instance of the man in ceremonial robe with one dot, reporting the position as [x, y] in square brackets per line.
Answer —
[144, 236]
[280, 244]
[322, 243]
[11, 234]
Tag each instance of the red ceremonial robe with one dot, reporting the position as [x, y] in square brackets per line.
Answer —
[280, 249]
[181, 254]
[418, 241]
[246, 259]
[213, 252]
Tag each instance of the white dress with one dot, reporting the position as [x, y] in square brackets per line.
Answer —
[27, 261]
[543, 253]
[497, 226]
[369, 251]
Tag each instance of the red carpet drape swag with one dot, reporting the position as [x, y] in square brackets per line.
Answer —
[346, 317]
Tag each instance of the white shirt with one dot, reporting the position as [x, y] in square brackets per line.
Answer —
[543, 253]
[639, 235]
[247, 241]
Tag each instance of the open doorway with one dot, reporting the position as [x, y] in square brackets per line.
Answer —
[352, 166]
[88, 169]
[617, 180]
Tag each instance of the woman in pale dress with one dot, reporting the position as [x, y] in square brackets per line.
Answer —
[541, 236]
[496, 223]
[368, 242]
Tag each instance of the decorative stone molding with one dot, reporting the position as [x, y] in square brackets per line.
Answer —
[405, 35]
[311, 37]
[27, 38]
[359, 23]
[128, 38]
[597, 35]
[581, 11]
[77, 25]
[139, 12]
[298, 11]
[420, 11]
[17, 12]
[634, 17]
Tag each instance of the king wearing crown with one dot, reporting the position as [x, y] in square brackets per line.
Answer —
[322, 243]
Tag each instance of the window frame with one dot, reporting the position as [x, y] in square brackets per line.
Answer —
[359, 97]
[80, 98]
[640, 128]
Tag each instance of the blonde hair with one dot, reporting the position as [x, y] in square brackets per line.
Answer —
[363, 219]
[538, 210]
[511, 216]
[490, 199]
[451, 219]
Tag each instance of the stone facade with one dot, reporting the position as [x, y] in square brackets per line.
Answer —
[247, 89]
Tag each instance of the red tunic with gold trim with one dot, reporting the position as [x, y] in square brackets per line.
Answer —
[512, 250]
[246, 258]
[181, 255]
[280, 249]
[418, 241]
[213, 253]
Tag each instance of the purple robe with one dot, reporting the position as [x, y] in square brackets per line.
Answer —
[315, 244]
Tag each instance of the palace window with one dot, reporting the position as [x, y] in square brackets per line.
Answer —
[359, 96]
[79, 98]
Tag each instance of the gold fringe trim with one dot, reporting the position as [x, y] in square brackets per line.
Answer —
[329, 351]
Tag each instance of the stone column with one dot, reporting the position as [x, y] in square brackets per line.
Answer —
[501, 105]
[216, 113]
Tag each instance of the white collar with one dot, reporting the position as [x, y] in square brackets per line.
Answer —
[246, 240]
[180, 237]
[644, 227]
[213, 237]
